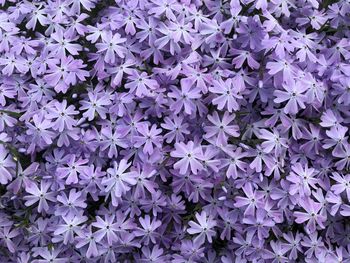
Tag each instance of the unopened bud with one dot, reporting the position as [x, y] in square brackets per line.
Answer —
[22, 150]
[224, 189]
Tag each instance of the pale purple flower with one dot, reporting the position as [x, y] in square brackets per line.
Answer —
[111, 46]
[302, 180]
[251, 202]
[61, 114]
[311, 216]
[294, 96]
[148, 228]
[149, 138]
[71, 203]
[119, 181]
[141, 84]
[221, 129]
[273, 141]
[69, 227]
[41, 195]
[74, 167]
[7, 165]
[6, 235]
[190, 157]
[203, 229]
[227, 96]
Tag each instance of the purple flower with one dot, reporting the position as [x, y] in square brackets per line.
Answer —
[294, 97]
[148, 230]
[111, 46]
[227, 96]
[96, 104]
[12, 63]
[75, 167]
[342, 184]
[154, 255]
[70, 204]
[7, 165]
[184, 98]
[67, 73]
[119, 181]
[278, 252]
[111, 140]
[149, 137]
[69, 227]
[141, 84]
[311, 215]
[273, 141]
[190, 157]
[23, 178]
[251, 202]
[88, 238]
[203, 229]
[40, 195]
[60, 113]
[107, 228]
[302, 178]
[259, 224]
[235, 165]
[145, 181]
[293, 246]
[50, 255]
[222, 128]
[63, 45]
[7, 234]
[176, 127]
[40, 132]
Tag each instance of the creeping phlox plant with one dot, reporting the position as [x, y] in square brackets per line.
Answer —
[174, 131]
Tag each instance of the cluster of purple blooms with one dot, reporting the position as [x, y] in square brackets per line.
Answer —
[174, 131]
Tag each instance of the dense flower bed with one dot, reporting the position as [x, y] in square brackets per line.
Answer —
[174, 131]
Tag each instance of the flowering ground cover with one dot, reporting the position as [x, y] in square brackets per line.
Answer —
[174, 131]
